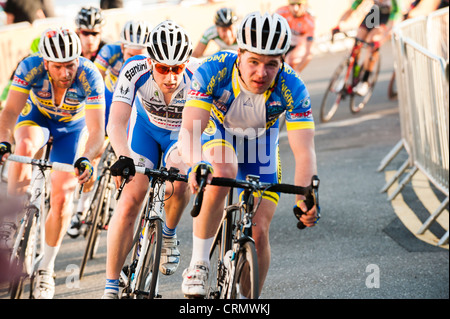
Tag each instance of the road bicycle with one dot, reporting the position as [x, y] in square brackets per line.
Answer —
[233, 260]
[344, 80]
[139, 279]
[101, 208]
[30, 238]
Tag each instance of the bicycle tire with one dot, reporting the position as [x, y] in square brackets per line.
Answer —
[335, 91]
[246, 258]
[17, 266]
[355, 105]
[92, 224]
[148, 276]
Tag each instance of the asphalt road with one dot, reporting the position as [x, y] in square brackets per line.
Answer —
[359, 250]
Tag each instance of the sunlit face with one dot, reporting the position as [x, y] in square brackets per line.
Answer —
[167, 77]
[129, 52]
[62, 73]
[227, 34]
[297, 8]
[258, 71]
[90, 40]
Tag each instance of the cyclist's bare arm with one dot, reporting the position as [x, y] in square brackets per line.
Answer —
[302, 146]
[194, 123]
[14, 104]
[199, 50]
[117, 130]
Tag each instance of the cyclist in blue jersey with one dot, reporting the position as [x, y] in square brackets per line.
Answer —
[90, 22]
[109, 61]
[223, 33]
[233, 108]
[60, 94]
[156, 88]
[376, 29]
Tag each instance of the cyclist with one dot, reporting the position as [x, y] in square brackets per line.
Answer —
[233, 109]
[375, 28]
[158, 87]
[223, 33]
[109, 61]
[60, 94]
[425, 7]
[89, 23]
[302, 24]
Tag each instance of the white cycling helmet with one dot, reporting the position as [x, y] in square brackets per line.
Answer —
[59, 45]
[264, 34]
[169, 44]
[135, 33]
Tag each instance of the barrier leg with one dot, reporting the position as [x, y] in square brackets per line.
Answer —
[402, 184]
[397, 174]
[390, 156]
[433, 217]
[444, 239]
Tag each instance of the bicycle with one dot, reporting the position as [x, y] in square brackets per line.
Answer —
[101, 208]
[346, 76]
[233, 259]
[29, 243]
[139, 279]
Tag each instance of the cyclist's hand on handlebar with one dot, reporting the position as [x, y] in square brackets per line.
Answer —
[308, 218]
[83, 169]
[5, 149]
[196, 172]
[123, 168]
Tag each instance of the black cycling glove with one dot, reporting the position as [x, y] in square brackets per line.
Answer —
[124, 166]
[5, 148]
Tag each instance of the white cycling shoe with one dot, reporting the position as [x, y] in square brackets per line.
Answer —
[45, 285]
[194, 280]
[170, 256]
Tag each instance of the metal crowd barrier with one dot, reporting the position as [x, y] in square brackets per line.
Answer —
[421, 49]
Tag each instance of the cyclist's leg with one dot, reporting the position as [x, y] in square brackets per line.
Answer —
[221, 154]
[120, 230]
[266, 165]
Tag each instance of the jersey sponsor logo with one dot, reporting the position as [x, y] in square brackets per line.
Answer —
[193, 94]
[95, 99]
[134, 70]
[19, 81]
[215, 80]
[124, 91]
[302, 115]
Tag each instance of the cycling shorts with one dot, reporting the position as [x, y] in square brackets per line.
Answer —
[259, 156]
[69, 138]
[148, 142]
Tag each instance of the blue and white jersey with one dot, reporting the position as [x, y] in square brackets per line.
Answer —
[137, 85]
[216, 87]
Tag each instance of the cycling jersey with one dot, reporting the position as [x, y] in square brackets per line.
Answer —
[248, 123]
[65, 122]
[303, 26]
[388, 7]
[137, 88]
[211, 34]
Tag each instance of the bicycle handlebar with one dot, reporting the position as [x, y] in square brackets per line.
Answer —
[42, 163]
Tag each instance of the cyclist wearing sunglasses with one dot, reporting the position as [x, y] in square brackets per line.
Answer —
[55, 93]
[302, 24]
[89, 23]
[156, 88]
[109, 61]
[222, 33]
[233, 109]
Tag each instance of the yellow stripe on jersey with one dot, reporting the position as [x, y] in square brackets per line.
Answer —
[292, 126]
[19, 89]
[199, 104]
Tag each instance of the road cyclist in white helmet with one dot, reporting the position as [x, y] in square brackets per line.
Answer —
[240, 112]
[222, 33]
[157, 88]
[109, 61]
[56, 93]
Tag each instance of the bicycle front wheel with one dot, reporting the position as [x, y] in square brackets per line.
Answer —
[245, 281]
[334, 94]
[148, 276]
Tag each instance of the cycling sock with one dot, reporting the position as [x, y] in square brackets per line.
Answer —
[48, 260]
[366, 76]
[200, 249]
[112, 286]
[168, 232]
[84, 201]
